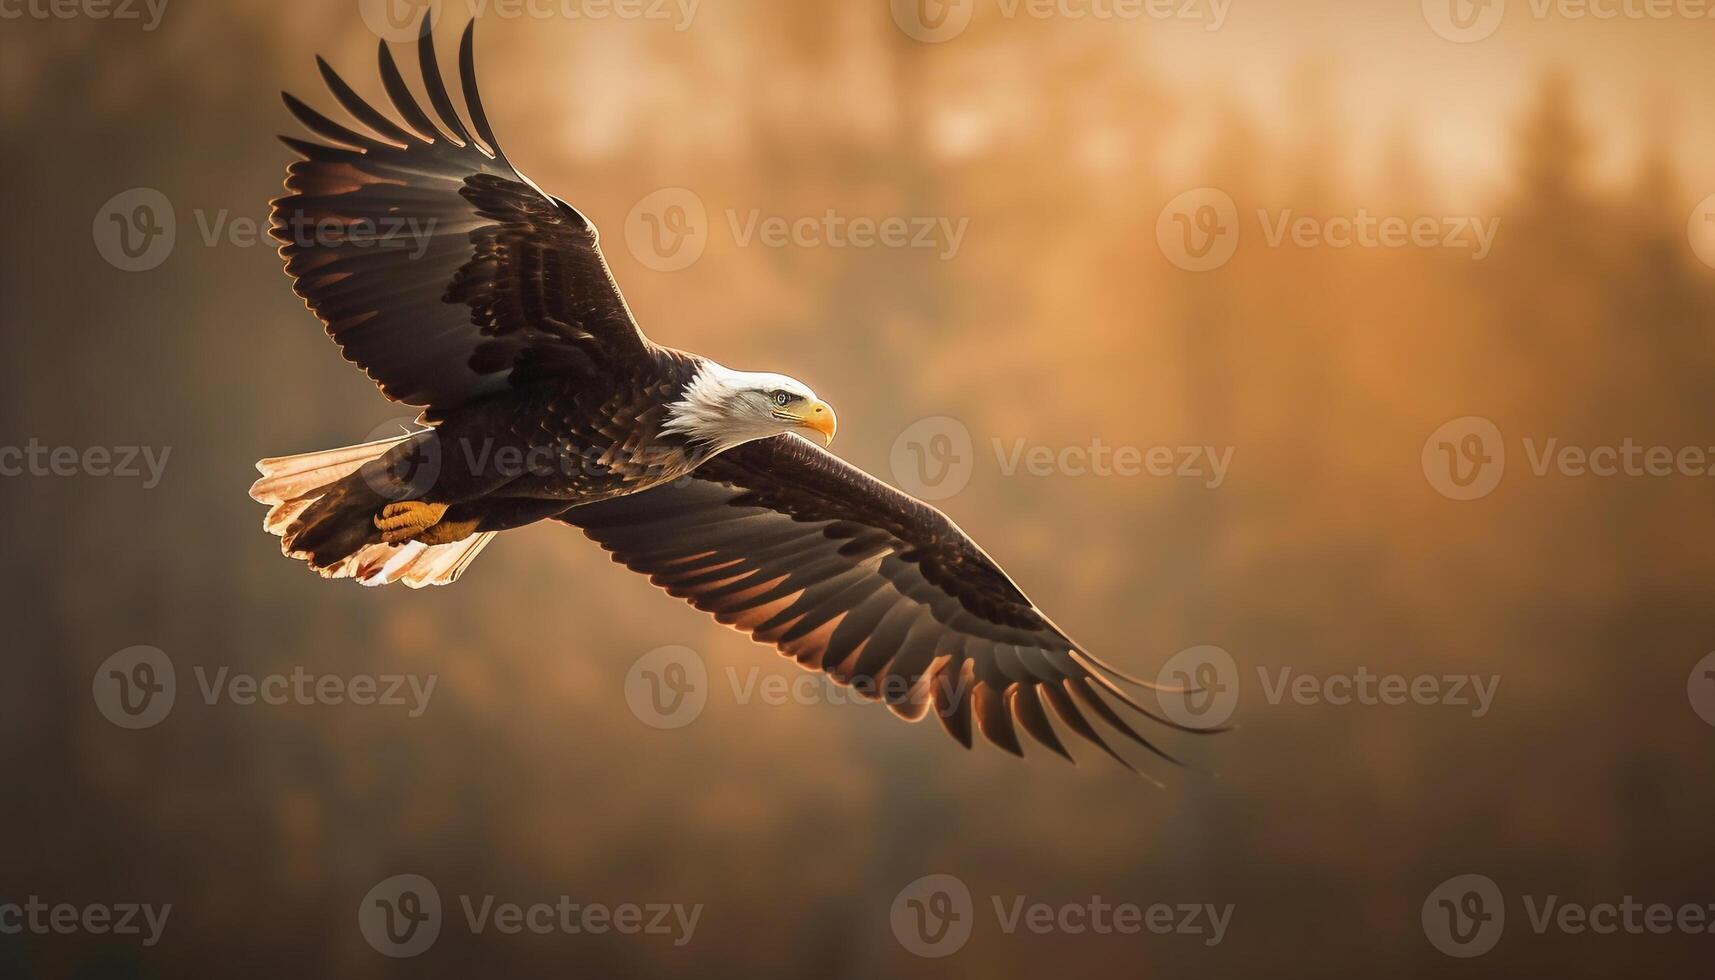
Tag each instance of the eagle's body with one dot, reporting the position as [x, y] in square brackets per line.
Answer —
[460, 287]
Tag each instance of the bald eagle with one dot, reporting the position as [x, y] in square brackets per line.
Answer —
[542, 400]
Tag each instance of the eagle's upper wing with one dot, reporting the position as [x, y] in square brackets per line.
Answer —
[438, 268]
[842, 572]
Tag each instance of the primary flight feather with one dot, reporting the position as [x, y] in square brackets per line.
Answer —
[459, 287]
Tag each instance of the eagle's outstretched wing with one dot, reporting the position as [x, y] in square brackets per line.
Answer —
[439, 269]
[845, 574]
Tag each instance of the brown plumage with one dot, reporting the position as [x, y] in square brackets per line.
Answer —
[460, 287]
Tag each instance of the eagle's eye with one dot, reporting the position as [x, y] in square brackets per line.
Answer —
[782, 398]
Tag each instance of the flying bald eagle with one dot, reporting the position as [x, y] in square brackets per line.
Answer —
[543, 400]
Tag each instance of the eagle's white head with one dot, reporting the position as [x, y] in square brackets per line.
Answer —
[723, 408]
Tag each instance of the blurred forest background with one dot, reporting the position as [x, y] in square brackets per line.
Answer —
[1058, 320]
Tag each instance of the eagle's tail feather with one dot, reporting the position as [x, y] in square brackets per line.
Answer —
[414, 563]
[290, 478]
[323, 508]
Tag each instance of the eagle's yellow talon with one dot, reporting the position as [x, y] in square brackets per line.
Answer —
[405, 520]
[446, 532]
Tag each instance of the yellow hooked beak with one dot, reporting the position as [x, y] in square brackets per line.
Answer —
[819, 417]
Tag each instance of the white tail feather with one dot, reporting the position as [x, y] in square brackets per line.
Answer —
[413, 563]
[290, 485]
[288, 478]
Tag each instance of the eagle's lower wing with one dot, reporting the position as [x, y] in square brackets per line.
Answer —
[438, 268]
[845, 574]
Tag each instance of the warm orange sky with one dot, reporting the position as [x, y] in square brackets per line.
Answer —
[1385, 72]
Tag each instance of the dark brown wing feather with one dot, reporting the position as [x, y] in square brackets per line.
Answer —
[847, 575]
[438, 268]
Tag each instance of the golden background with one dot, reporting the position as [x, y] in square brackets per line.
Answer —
[1059, 320]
